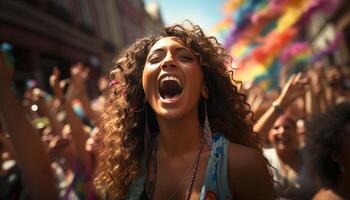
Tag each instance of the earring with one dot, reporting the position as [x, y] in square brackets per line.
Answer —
[207, 134]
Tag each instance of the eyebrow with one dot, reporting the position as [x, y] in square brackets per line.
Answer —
[176, 49]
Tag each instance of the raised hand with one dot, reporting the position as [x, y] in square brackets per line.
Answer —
[79, 74]
[294, 88]
[55, 83]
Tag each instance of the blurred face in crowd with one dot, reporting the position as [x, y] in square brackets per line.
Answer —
[283, 134]
[172, 79]
[334, 76]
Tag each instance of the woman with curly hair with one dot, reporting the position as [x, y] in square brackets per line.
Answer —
[177, 126]
[328, 144]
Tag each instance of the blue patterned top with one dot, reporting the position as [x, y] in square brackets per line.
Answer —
[216, 178]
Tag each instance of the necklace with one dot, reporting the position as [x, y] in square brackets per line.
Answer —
[181, 182]
[153, 178]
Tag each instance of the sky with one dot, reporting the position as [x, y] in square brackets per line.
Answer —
[205, 13]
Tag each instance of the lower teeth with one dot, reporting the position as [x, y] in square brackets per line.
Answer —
[169, 96]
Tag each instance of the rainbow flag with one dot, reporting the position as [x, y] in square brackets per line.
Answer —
[222, 28]
[298, 52]
[231, 5]
[261, 32]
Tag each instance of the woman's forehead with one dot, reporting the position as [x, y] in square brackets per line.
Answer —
[284, 119]
[168, 41]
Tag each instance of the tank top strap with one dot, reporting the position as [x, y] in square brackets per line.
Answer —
[137, 187]
[216, 178]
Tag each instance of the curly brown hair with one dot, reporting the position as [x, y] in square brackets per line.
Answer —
[125, 118]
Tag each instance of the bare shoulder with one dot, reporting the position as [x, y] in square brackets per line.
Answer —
[249, 158]
[326, 194]
[249, 177]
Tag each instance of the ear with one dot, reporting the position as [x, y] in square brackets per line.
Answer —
[205, 92]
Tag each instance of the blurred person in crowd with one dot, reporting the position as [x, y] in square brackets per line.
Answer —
[329, 86]
[294, 179]
[175, 110]
[328, 144]
[277, 125]
[70, 147]
[339, 86]
[30, 153]
[294, 88]
[63, 143]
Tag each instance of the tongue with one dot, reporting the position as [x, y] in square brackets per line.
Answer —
[169, 88]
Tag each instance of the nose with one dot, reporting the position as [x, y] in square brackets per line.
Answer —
[281, 129]
[168, 61]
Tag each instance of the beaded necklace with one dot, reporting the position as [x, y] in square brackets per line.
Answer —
[153, 177]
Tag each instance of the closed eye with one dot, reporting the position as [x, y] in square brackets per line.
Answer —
[186, 58]
[155, 58]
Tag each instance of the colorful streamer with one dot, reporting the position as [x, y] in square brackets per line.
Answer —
[260, 32]
[298, 52]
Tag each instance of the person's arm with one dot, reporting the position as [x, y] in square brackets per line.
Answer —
[295, 87]
[311, 102]
[249, 177]
[79, 136]
[57, 89]
[316, 98]
[30, 152]
[257, 103]
[79, 74]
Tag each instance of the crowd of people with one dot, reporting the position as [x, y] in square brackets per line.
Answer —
[173, 123]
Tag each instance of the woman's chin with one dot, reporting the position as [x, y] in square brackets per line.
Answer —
[170, 114]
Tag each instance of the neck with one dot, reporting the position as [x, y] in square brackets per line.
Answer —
[291, 158]
[181, 136]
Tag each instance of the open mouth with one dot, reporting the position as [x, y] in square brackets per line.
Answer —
[281, 139]
[170, 87]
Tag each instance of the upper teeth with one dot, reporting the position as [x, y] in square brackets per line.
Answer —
[166, 78]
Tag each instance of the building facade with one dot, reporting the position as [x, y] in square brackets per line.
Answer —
[48, 33]
[325, 29]
[135, 21]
